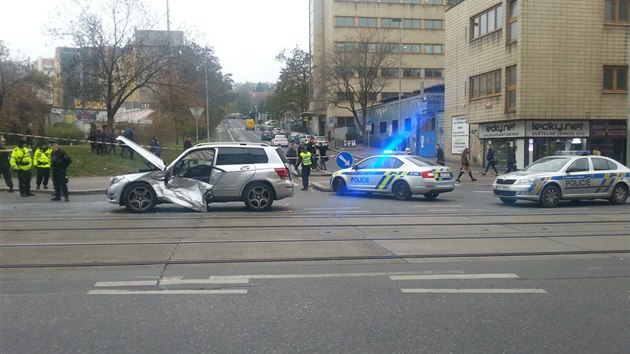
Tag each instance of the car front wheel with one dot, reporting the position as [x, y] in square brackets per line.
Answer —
[139, 198]
[550, 197]
[340, 186]
[258, 197]
[619, 195]
[401, 191]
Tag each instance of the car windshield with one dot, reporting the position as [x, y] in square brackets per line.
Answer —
[420, 161]
[548, 164]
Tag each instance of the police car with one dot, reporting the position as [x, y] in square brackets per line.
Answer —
[555, 178]
[400, 175]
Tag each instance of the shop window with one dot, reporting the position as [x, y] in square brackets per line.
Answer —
[617, 11]
[615, 79]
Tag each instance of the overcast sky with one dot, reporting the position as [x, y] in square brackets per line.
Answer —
[246, 34]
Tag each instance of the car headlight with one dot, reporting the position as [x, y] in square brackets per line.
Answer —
[526, 181]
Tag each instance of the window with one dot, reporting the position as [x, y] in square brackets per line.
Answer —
[512, 35]
[387, 95]
[390, 1]
[433, 2]
[433, 24]
[367, 22]
[345, 72]
[600, 164]
[389, 48]
[617, 11]
[411, 48]
[383, 127]
[510, 104]
[433, 73]
[389, 72]
[344, 47]
[433, 48]
[484, 85]
[411, 1]
[486, 22]
[347, 96]
[411, 23]
[615, 78]
[389, 23]
[366, 47]
[412, 72]
[579, 165]
[344, 21]
[395, 126]
[407, 124]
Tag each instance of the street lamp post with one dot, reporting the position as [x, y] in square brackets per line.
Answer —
[400, 45]
[207, 108]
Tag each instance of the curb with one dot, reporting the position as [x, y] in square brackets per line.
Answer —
[49, 191]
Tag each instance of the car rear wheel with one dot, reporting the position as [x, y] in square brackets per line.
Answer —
[508, 201]
[339, 186]
[550, 197]
[258, 196]
[401, 191]
[139, 198]
[431, 195]
[619, 195]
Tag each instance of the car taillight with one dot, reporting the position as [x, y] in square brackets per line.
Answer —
[283, 173]
[428, 174]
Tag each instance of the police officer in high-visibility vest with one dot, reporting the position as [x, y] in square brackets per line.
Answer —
[306, 161]
[21, 163]
[41, 160]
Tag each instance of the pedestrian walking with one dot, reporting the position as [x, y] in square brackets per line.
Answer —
[59, 165]
[440, 156]
[510, 164]
[292, 156]
[21, 163]
[465, 165]
[41, 160]
[155, 146]
[5, 164]
[491, 160]
[323, 150]
[187, 143]
[306, 160]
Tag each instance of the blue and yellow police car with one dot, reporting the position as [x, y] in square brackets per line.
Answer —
[400, 175]
[555, 178]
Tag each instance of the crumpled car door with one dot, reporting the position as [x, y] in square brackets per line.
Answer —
[187, 192]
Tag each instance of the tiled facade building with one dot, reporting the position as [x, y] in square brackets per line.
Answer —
[544, 76]
[418, 24]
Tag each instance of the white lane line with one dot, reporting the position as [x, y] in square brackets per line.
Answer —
[168, 281]
[473, 291]
[321, 212]
[320, 275]
[482, 191]
[168, 292]
[339, 208]
[103, 284]
[433, 206]
[455, 276]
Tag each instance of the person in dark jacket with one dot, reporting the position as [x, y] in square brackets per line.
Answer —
[491, 159]
[59, 164]
[511, 160]
[5, 164]
[155, 147]
[440, 156]
[187, 143]
[323, 149]
[292, 156]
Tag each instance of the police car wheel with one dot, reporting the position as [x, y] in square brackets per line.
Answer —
[508, 201]
[431, 195]
[550, 197]
[401, 191]
[340, 186]
[619, 195]
[139, 198]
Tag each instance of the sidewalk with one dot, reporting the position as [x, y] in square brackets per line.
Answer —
[318, 179]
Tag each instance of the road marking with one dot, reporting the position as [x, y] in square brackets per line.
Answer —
[311, 276]
[433, 206]
[473, 291]
[168, 292]
[103, 284]
[455, 276]
[340, 208]
[179, 281]
[482, 191]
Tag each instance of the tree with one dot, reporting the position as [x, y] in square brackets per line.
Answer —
[292, 90]
[115, 60]
[352, 73]
[20, 84]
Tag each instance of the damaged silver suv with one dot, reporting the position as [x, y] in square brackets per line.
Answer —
[256, 174]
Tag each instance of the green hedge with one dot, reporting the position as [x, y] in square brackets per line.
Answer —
[64, 131]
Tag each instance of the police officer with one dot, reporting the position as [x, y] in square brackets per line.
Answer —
[5, 164]
[21, 163]
[41, 160]
[306, 161]
[59, 162]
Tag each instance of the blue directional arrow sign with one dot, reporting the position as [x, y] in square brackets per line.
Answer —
[344, 159]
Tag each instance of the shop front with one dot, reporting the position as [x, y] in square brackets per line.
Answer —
[609, 137]
[503, 136]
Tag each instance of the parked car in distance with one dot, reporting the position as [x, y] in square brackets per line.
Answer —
[266, 136]
[255, 174]
[280, 140]
[321, 140]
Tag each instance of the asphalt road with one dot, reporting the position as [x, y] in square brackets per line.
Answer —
[319, 273]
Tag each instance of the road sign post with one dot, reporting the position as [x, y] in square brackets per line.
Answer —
[196, 112]
[344, 159]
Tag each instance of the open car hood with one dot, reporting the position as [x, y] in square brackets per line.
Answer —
[148, 155]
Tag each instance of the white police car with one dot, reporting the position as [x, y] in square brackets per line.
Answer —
[554, 178]
[400, 175]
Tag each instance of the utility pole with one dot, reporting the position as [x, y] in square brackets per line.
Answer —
[207, 108]
[400, 45]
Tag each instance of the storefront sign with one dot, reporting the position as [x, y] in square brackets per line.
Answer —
[556, 128]
[608, 129]
[502, 130]
[459, 134]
